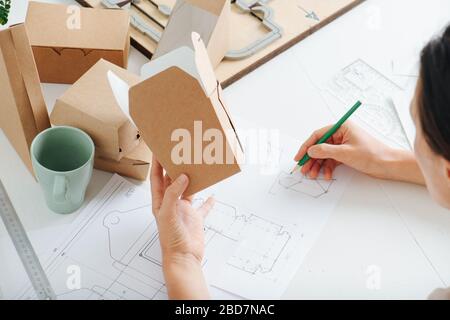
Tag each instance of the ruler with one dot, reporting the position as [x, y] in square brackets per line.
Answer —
[24, 248]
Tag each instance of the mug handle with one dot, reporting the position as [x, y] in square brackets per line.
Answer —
[60, 188]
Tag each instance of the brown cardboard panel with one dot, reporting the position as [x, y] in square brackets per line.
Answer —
[135, 165]
[89, 104]
[23, 111]
[62, 62]
[58, 46]
[51, 24]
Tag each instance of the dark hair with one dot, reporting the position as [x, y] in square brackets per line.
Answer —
[434, 96]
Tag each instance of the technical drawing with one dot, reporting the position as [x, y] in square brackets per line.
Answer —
[359, 81]
[299, 183]
[114, 243]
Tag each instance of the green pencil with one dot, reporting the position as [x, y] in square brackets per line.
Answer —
[328, 134]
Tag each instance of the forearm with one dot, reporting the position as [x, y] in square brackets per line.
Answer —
[184, 278]
[402, 165]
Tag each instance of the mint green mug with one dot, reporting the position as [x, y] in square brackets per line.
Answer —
[63, 159]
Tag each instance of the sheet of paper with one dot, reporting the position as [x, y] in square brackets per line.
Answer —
[112, 250]
[274, 217]
[360, 81]
[401, 102]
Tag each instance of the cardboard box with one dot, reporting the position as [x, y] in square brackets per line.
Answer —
[68, 40]
[179, 94]
[210, 19]
[135, 165]
[23, 113]
[89, 105]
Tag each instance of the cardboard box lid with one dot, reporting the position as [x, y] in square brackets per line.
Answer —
[89, 104]
[101, 29]
[174, 82]
[210, 19]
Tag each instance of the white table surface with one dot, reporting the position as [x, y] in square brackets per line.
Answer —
[385, 239]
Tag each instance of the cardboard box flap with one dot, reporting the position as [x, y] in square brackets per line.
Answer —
[141, 154]
[62, 26]
[135, 165]
[192, 60]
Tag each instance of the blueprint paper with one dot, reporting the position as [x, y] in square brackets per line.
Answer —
[402, 101]
[360, 81]
[114, 245]
[275, 219]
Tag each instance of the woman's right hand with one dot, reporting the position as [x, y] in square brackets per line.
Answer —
[354, 147]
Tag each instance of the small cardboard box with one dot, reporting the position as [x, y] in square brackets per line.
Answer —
[23, 113]
[181, 98]
[89, 105]
[68, 40]
[135, 165]
[209, 18]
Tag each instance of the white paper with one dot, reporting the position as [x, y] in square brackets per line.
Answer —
[360, 81]
[275, 219]
[402, 102]
[113, 246]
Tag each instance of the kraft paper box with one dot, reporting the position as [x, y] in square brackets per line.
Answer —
[89, 105]
[135, 165]
[180, 97]
[68, 40]
[23, 113]
[209, 18]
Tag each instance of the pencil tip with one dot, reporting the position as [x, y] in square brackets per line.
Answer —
[293, 170]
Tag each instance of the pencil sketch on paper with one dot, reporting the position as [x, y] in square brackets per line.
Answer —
[262, 244]
[299, 183]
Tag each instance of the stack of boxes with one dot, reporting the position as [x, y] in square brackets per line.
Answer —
[85, 48]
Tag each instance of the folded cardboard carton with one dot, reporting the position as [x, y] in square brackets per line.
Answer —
[135, 164]
[68, 40]
[23, 113]
[180, 113]
[209, 18]
[89, 105]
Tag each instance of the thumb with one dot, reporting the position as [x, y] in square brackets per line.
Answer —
[329, 151]
[176, 189]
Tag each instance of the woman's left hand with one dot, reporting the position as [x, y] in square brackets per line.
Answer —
[180, 226]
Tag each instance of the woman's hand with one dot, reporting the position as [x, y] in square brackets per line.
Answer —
[181, 234]
[354, 147]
